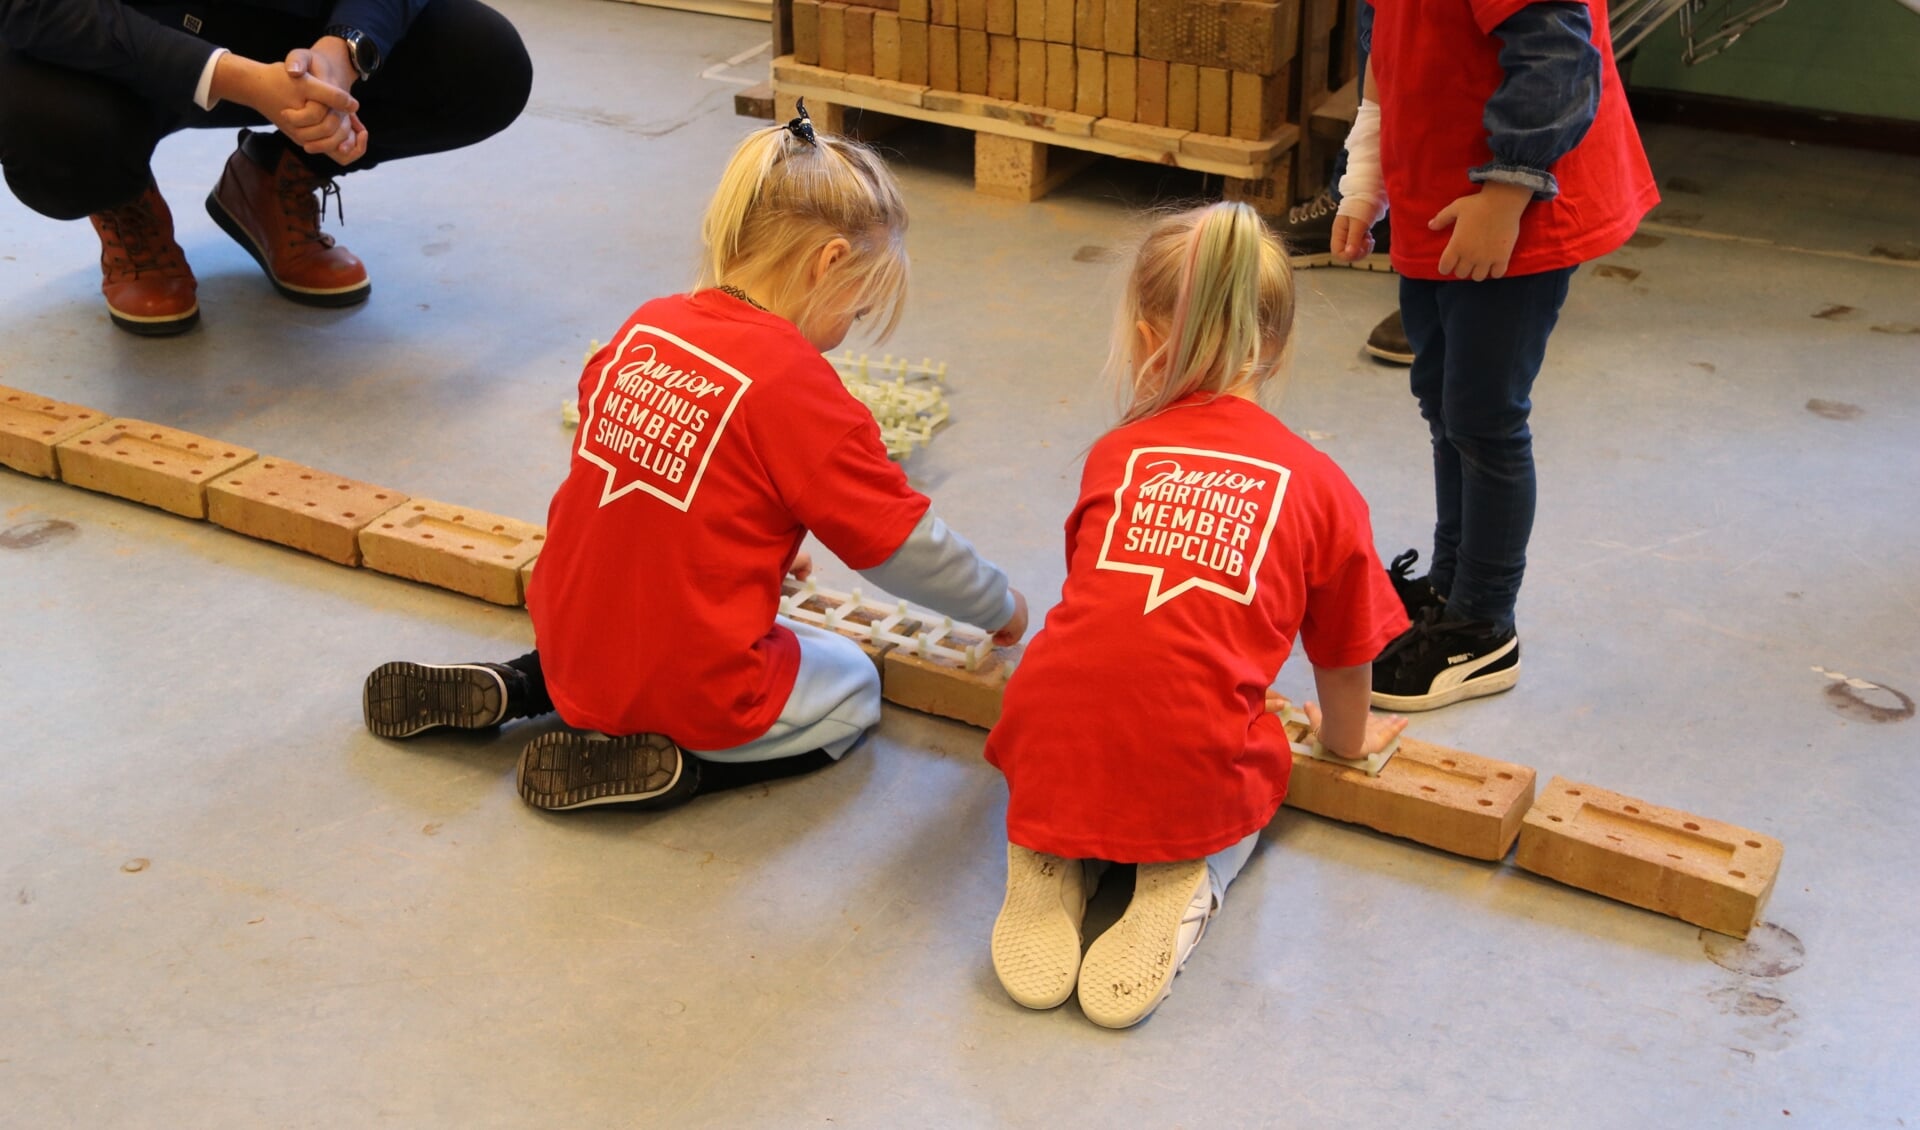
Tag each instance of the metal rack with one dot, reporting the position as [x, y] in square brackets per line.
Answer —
[1707, 27]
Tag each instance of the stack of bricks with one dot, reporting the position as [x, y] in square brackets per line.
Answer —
[1222, 68]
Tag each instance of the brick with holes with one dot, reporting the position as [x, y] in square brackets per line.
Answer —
[938, 685]
[30, 426]
[148, 462]
[453, 547]
[309, 510]
[1702, 871]
[1444, 798]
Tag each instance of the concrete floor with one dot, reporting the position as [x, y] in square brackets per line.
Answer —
[330, 930]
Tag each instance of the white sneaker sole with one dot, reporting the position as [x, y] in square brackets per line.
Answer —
[1036, 940]
[1446, 696]
[1130, 969]
[1374, 262]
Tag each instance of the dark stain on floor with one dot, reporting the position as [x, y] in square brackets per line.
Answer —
[1684, 184]
[1835, 409]
[1896, 328]
[1870, 703]
[1906, 252]
[1641, 239]
[1834, 312]
[1609, 271]
[29, 535]
[1094, 253]
[1770, 951]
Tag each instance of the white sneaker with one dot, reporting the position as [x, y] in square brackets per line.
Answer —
[1036, 939]
[1130, 969]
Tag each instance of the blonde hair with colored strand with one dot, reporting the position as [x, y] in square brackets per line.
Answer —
[1214, 284]
[781, 199]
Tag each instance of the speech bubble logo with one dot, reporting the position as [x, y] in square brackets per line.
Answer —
[657, 412]
[1191, 519]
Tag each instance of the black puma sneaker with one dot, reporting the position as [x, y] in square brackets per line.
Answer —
[1437, 662]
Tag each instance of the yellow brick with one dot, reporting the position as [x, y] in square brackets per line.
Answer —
[1702, 871]
[149, 463]
[306, 509]
[1444, 798]
[30, 426]
[453, 547]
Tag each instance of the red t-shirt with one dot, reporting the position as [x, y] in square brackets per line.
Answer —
[1438, 62]
[1206, 537]
[712, 438]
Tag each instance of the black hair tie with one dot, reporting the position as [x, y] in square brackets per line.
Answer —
[802, 126]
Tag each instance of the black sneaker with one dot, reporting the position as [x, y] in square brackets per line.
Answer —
[572, 769]
[1438, 661]
[1308, 235]
[1417, 594]
[1388, 341]
[404, 699]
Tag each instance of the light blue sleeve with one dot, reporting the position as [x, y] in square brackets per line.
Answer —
[939, 569]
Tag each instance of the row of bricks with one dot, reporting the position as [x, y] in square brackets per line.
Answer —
[342, 520]
[350, 522]
[1207, 100]
[1702, 871]
[1255, 35]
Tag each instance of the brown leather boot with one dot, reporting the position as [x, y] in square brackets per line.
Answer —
[271, 211]
[144, 274]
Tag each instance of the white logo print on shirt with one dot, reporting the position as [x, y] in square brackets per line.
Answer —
[656, 414]
[1203, 516]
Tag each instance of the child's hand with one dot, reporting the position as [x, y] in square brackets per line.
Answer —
[1352, 239]
[1485, 227]
[1381, 730]
[1016, 628]
[1276, 702]
[802, 566]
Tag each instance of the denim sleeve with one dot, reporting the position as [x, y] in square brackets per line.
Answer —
[386, 21]
[1548, 98]
[109, 39]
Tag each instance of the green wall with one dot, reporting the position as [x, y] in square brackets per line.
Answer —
[1852, 56]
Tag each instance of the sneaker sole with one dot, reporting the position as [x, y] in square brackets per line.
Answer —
[566, 770]
[1481, 687]
[1393, 356]
[305, 296]
[1036, 942]
[400, 700]
[1374, 262]
[1130, 969]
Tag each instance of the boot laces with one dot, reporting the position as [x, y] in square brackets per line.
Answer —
[135, 230]
[1321, 205]
[303, 212]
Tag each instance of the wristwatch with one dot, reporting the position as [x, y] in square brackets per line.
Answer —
[365, 52]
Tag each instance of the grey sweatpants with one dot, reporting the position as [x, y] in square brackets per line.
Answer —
[835, 701]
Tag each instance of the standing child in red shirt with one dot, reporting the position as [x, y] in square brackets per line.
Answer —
[1502, 139]
[1207, 535]
[713, 437]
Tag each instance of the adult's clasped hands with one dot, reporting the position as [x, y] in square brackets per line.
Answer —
[307, 97]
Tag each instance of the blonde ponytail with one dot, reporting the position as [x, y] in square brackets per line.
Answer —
[782, 198]
[1214, 285]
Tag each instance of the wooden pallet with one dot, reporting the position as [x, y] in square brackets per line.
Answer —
[761, 10]
[1023, 151]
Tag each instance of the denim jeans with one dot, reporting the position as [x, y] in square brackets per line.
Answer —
[1477, 349]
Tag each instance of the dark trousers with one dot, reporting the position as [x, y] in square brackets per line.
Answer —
[73, 143]
[1477, 349]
